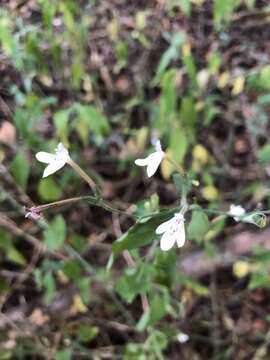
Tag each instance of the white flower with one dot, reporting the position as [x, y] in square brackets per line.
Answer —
[173, 232]
[237, 212]
[182, 337]
[55, 161]
[153, 160]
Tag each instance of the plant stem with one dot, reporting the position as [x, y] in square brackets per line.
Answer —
[82, 174]
[36, 210]
[177, 166]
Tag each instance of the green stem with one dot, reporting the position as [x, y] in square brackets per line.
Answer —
[36, 210]
[83, 175]
[178, 167]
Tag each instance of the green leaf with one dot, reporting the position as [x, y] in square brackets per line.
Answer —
[172, 53]
[135, 281]
[165, 262]
[178, 143]
[15, 256]
[48, 190]
[216, 227]
[192, 284]
[158, 307]
[185, 6]
[260, 80]
[259, 279]
[72, 269]
[83, 284]
[61, 119]
[63, 355]
[49, 283]
[263, 154]
[87, 333]
[191, 69]
[198, 226]
[20, 169]
[223, 9]
[142, 233]
[188, 115]
[90, 119]
[6, 240]
[78, 242]
[167, 107]
[159, 303]
[55, 234]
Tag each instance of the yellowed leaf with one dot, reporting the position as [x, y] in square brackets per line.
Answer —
[63, 279]
[166, 168]
[113, 29]
[78, 305]
[238, 85]
[223, 80]
[196, 166]
[186, 49]
[210, 193]
[200, 154]
[140, 20]
[241, 269]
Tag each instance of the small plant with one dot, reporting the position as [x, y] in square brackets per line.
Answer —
[170, 222]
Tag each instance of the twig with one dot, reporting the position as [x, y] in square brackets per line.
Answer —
[8, 224]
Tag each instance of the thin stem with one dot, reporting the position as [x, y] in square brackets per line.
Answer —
[34, 211]
[177, 166]
[82, 174]
[44, 207]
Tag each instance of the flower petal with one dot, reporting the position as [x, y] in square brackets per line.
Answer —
[164, 226]
[153, 162]
[236, 210]
[181, 235]
[167, 241]
[158, 146]
[45, 157]
[53, 167]
[61, 152]
[142, 162]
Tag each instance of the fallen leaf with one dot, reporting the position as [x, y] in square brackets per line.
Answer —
[238, 85]
[38, 317]
[7, 133]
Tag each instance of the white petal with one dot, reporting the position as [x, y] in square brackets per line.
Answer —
[182, 338]
[153, 163]
[60, 148]
[158, 146]
[236, 210]
[61, 152]
[53, 167]
[167, 241]
[164, 226]
[181, 235]
[45, 157]
[142, 162]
